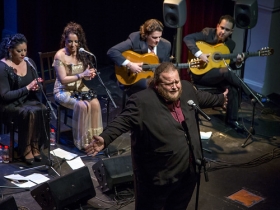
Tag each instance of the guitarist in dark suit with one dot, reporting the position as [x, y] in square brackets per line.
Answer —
[221, 77]
[147, 39]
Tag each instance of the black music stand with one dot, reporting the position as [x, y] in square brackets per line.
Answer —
[254, 100]
[251, 130]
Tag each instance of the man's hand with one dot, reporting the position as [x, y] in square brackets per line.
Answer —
[95, 146]
[135, 67]
[240, 59]
[225, 99]
[204, 57]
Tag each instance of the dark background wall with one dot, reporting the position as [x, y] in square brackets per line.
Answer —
[105, 22]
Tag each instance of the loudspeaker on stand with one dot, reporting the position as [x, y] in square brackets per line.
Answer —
[113, 171]
[174, 13]
[246, 13]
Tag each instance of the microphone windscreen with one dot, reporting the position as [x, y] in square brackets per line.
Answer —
[190, 102]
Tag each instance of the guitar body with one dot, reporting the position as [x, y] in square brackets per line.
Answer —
[213, 63]
[126, 77]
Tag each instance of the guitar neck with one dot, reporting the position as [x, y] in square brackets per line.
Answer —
[234, 55]
[153, 66]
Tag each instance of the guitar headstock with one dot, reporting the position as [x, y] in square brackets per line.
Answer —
[196, 63]
[266, 51]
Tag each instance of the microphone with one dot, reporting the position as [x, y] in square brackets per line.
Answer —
[27, 60]
[83, 50]
[191, 103]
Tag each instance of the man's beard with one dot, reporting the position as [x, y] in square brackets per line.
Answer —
[167, 95]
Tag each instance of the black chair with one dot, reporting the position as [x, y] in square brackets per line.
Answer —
[8, 131]
[48, 75]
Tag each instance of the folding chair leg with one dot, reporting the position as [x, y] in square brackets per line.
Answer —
[12, 140]
[58, 125]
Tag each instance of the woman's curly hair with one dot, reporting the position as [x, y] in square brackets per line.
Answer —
[75, 28]
[10, 42]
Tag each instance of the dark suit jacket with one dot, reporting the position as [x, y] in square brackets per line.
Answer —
[160, 150]
[137, 45]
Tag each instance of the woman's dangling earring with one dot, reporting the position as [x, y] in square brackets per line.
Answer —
[10, 55]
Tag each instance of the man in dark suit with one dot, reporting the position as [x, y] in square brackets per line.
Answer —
[165, 139]
[147, 40]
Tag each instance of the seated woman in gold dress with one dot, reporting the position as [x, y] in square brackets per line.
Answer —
[71, 67]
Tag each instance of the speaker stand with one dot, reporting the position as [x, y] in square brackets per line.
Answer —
[244, 50]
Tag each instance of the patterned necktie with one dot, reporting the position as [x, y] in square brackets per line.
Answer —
[151, 49]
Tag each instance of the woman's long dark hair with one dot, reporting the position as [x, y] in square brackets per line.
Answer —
[75, 28]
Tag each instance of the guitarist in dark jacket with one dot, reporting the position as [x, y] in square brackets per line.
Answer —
[147, 40]
[221, 77]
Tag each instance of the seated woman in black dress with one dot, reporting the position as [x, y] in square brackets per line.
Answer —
[19, 98]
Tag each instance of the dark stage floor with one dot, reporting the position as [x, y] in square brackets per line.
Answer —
[239, 177]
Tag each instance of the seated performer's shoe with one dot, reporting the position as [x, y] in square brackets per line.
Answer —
[28, 161]
[236, 125]
[38, 156]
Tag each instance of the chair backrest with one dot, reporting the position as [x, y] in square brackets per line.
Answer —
[47, 71]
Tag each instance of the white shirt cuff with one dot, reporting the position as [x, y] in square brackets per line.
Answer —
[125, 62]
[197, 54]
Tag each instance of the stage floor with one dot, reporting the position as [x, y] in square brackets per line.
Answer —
[239, 177]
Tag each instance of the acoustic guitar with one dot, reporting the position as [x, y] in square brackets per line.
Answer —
[217, 54]
[150, 62]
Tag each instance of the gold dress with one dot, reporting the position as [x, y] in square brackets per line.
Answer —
[86, 122]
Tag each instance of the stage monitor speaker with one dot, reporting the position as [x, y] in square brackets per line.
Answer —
[113, 171]
[8, 203]
[174, 13]
[66, 192]
[246, 13]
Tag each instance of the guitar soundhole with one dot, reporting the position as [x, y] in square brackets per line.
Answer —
[217, 56]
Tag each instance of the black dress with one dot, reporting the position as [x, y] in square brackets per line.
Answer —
[23, 107]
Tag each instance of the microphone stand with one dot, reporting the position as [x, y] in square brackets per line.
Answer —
[49, 161]
[245, 85]
[41, 87]
[200, 163]
[254, 101]
[106, 152]
[198, 110]
[102, 83]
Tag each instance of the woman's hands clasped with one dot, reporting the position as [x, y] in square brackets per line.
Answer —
[34, 86]
[89, 73]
